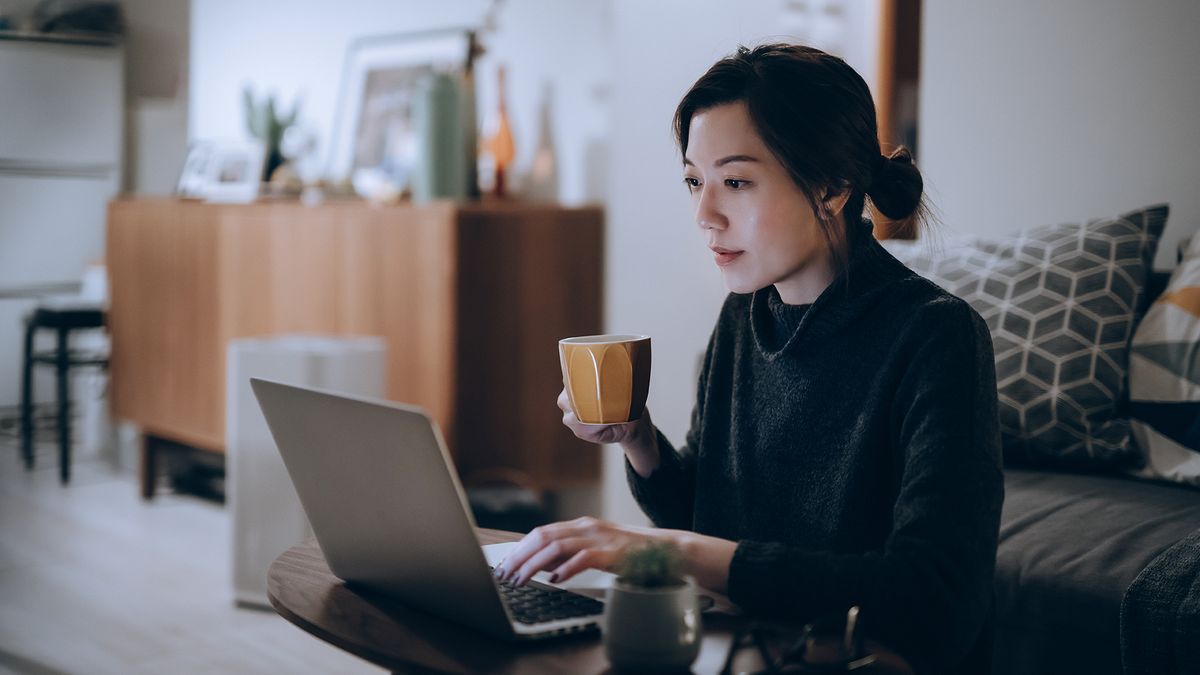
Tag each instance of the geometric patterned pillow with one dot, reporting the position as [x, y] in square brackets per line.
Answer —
[1164, 377]
[1061, 302]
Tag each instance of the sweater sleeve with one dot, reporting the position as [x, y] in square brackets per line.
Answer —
[928, 592]
[667, 495]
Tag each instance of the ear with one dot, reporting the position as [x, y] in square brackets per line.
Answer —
[835, 200]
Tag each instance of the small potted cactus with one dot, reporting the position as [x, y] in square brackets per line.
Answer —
[652, 616]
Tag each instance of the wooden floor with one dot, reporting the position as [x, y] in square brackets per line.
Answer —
[94, 580]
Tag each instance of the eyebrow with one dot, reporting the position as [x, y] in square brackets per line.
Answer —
[726, 160]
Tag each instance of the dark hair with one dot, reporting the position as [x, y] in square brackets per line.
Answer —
[816, 115]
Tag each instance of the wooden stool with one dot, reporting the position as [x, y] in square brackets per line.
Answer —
[63, 321]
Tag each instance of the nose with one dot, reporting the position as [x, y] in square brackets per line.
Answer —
[708, 211]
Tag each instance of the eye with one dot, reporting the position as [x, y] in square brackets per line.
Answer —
[736, 183]
[691, 183]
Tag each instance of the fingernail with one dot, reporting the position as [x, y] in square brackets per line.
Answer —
[498, 572]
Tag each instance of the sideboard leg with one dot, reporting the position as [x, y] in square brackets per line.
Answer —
[148, 469]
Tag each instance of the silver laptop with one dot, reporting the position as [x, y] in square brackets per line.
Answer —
[389, 513]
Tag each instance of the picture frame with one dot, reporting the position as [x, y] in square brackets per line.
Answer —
[222, 171]
[374, 138]
[235, 171]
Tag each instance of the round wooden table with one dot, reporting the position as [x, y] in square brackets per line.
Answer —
[391, 635]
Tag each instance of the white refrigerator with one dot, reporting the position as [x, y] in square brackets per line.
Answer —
[62, 109]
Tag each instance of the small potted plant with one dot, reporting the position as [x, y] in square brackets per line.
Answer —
[652, 616]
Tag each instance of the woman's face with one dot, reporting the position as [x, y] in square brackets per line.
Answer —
[760, 226]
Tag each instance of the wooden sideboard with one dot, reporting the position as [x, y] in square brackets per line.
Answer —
[470, 299]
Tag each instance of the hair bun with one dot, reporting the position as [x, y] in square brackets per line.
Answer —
[878, 166]
[896, 186]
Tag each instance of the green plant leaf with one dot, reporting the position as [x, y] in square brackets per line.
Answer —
[250, 110]
[654, 565]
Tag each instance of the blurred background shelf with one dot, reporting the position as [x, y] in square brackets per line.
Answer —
[470, 299]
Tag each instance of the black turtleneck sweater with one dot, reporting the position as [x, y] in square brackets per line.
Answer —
[851, 447]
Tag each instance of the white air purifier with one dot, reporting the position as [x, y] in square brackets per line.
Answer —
[267, 516]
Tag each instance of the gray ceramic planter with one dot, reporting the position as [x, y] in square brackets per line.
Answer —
[652, 629]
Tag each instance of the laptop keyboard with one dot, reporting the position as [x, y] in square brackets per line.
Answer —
[537, 604]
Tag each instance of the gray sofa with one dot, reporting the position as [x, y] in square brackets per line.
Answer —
[1097, 573]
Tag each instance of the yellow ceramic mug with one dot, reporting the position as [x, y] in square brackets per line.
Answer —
[607, 377]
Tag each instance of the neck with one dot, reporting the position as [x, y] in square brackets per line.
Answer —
[805, 285]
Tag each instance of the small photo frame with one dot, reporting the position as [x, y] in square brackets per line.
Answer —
[235, 171]
[222, 171]
[373, 127]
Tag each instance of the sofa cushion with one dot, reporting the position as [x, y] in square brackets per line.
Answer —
[1061, 302]
[1070, 545]
[1164, 377]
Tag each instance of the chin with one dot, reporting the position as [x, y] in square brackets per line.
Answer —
[738, 285]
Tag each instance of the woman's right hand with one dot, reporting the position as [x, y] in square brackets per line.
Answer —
[602, 433]
[638, 438]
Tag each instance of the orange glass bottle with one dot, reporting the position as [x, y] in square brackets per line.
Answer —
[500, 144]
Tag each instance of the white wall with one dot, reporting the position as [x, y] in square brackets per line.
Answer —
[298, 48]
[1043, 112]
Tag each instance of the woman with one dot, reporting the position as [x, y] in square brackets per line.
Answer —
[844, 445]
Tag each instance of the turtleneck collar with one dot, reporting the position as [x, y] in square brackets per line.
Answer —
[784, 318]
[869, 268]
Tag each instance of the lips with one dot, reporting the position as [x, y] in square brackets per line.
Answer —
[725, 256]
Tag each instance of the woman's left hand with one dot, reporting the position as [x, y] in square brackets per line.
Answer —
[570, 547]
